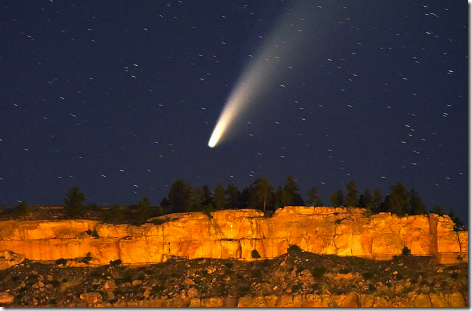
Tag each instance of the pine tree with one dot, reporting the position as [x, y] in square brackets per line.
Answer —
[261, 193]
[376, 201]
[196, 200]
[334, 199]
[416, 205]
[282, 198]
[144, 209]
[74, 203]
[399, 200]
[179, 194]
[340, 197]
[232, 195]
[351, 196]
[219, 200]
[245, 197]
[438, 209]
[292, 189]
[207, 195]
[365, 200]
[314, 198]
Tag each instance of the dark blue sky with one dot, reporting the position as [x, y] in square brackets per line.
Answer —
[120, 98]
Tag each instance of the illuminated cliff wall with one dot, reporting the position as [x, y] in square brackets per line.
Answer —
[233, 234]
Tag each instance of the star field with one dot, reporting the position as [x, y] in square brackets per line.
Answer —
[120, 98]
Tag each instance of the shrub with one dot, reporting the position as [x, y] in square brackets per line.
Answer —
[344, 271]
[158, 222]
[256, 273]
[115, 262]
[372, 288]
[54, 283]
[255, 254]
[87, 258]
[406, 251]
[61, 261]
[455, 275]
[294, 248]
[243, 290]
[207, 209]
[318, 272]
[157, 289]
[367, 275]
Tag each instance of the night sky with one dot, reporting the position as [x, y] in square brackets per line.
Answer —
[120, 98]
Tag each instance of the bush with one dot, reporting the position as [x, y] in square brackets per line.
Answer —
[255, 254]
[367, 275]
[243, 290]
[61, 261]
[207, 209]
[294, 248]
[115, 262]
[93, 233]
[344, 271]
[406, 251]
[256, 273]
[87, 258]
[158, 222]
[318, 272]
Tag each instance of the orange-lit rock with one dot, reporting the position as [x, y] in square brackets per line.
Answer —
[234, 234]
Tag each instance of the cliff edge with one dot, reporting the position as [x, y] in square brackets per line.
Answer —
[234, 234]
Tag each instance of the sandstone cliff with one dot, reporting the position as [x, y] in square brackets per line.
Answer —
[234, 234]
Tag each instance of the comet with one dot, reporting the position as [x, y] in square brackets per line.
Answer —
[278, 54]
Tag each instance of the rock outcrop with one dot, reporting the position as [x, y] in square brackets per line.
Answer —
[234, 234]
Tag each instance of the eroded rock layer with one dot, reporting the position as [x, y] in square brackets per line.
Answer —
[234, 234]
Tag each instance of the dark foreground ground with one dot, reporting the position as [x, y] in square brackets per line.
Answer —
[297, 272]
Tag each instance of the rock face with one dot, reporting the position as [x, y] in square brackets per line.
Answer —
[234, 234]
[9, 259]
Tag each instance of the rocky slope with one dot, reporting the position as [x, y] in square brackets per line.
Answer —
[235, 234]
[295, 279]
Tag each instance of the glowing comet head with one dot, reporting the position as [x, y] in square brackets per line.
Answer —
[227, 115]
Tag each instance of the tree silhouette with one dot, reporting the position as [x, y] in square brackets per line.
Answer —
[207, 193]
[365, 199]
[438, 209]
[399, 200]
[340, 197]
[292, 189]
[351, 196]
[179, 195]
[376, 201]
[282, 198]
[219, 200]
[196, 199]
[114, 215]
[20, 210]
[314, 198]
[74, 203]
[261, 193]
[164, 202]
[245, 197]
[144, 210]
[416, 205]
[232, 195]
[334, 199]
